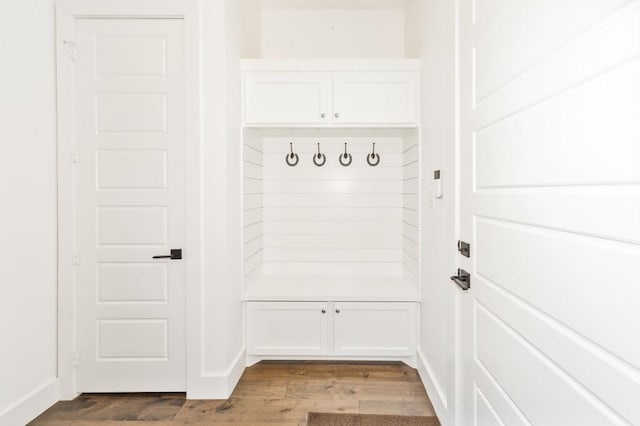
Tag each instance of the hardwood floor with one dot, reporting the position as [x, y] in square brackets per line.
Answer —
[269, 393]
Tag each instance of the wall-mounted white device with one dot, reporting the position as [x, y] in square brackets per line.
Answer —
[437, 184]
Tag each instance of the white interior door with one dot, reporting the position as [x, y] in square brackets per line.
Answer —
[550, 166]
[130, 135]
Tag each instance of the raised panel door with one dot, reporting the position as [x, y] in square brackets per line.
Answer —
[130, 137]
[287, 328]
[286, 98]
[375, 98]
[374, 329]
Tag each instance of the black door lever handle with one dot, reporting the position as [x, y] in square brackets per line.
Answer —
[176, 254]
[463, 279]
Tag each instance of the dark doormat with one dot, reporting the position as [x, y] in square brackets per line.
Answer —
[341, 419]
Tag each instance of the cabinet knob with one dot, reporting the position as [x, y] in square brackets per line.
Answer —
[336, 115]
[323, 115]
[337, 311]
[324, 311]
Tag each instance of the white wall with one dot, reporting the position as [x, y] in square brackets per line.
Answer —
[28, 290]
[235, 11]
[218, 359]
[249, 28]
[333, 33]
[28, 210]
[437, 46]
[413, 28]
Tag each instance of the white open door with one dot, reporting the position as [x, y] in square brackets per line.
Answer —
[550, 203]
[130, 133]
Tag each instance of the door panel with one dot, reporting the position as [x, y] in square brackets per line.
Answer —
[375, 98]
[549, 165]
[277, 98]
[374, 329]
[293, 328]
[130, 204]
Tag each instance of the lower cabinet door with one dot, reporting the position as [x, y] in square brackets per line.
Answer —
[374, 329]
[287, 328]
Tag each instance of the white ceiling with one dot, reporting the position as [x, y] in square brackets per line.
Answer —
[333, 4]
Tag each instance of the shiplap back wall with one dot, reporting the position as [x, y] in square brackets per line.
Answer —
[253, 188]
[330, 220]
[410, 203]
[333, 220]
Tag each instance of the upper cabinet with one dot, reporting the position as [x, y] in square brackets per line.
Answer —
[331, 93]
[370, 97]
[275, 98]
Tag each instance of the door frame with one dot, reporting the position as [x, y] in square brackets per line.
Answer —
[67, 12]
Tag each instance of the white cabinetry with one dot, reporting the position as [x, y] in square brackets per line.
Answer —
[355, 329]
[377, 98]
[276, 328]
[330, 254]
[331, 94]
[381, 329]
[284, 98]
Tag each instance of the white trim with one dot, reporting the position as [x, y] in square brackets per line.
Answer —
[433, 387]
[459, 378]
[254, 359]
[328, 65]
[67, 11]
[32, 405]
[219, 386]
[235, 371]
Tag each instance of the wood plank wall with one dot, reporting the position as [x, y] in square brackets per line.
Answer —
[333, 219]
[253, 188]
[330, 220]
[410, 204]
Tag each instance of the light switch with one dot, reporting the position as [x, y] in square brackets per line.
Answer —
[437, 184]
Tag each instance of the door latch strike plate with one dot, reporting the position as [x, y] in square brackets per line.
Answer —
[464, 248]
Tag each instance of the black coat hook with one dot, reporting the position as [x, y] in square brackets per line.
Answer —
[373, 159]
[345, 159]
[292, 158]
[319, 159]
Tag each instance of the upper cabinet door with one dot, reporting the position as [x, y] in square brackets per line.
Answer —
[375, 98]
[286, 98]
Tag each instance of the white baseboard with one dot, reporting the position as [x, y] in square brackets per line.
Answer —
[32, 405]
[254, 359]
[235, 372]
[434, 389]
[217, 386]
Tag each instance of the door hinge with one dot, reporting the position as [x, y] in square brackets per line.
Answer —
[464, 248]
[71, 49]
[74, 156]
[74, 257]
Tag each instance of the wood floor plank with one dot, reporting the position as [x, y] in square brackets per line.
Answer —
[268, 394]
[122, 423]
[355, 390]
[399, 407]
[263, 389]
[255, 411]
[75, 409]
[270, 370]
[136, 408]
